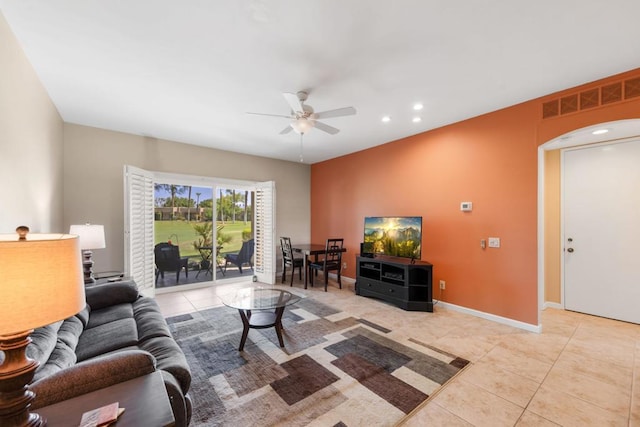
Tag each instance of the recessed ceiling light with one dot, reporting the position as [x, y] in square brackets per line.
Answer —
[417, 119]
[600, 131]
[418, 106]
[386, 119]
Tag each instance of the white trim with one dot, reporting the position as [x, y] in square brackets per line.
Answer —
[207, 181]
[494, 318]
[541, 230]
[549, 304]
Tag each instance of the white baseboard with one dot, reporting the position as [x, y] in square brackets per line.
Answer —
[494, 318]
[549, 304]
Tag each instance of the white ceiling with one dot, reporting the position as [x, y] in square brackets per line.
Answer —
[189, 70]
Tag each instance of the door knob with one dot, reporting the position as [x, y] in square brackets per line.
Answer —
[570, 250]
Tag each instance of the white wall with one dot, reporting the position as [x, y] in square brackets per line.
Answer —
[31, 141]
[93, 181]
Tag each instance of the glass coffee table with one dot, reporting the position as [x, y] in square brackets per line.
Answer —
[260, 308]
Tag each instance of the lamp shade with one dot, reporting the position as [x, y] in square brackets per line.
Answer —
[40, 281]
[91, 236]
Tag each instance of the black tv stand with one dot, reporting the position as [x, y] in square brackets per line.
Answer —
[399, 281]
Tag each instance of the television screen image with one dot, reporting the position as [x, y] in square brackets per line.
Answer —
[399, 236]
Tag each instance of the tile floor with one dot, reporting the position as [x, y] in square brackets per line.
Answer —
[581, 370]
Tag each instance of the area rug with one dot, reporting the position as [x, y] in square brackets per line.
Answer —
[335, 369]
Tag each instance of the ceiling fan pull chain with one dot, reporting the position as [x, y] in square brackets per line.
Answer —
[301, 159]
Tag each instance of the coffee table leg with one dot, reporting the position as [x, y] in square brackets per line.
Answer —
[278, 325]
[245, 324]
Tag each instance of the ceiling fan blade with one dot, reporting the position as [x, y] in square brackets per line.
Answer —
[326, 128]
[294, 102]
[339, 112]
[286, 130]
[271, 115]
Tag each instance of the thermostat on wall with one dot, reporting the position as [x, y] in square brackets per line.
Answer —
[466, 206]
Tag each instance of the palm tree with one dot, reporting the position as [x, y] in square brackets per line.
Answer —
[189, 205]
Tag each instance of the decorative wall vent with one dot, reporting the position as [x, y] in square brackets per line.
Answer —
[591, 98]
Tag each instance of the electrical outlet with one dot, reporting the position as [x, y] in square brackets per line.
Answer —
[443, 284]
[344, 265]
[494, 242]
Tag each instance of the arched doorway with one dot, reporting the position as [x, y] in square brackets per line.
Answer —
[550, 248]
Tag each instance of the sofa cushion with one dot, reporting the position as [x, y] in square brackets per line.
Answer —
[107, 337]
[169, 357]
[108, 315]
[70, 331]
[62, 357]
[43, 341]
[108, 294]
[83, 316]
[150, 322]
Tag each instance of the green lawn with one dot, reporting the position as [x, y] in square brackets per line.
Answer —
[181, 233]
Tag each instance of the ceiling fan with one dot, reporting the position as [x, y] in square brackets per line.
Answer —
[303, 118]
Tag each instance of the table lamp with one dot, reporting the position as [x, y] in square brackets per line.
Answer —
[40, 283]
[91, 237]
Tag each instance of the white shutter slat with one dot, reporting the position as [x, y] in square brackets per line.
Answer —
[139, 257]
[265, 232]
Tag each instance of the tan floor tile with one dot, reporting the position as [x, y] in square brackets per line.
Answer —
[433, 415]
[546, 348]
[603, 351]
[470, 348]
[529, 419]
[476, 405]
[584, 364]
[607, 396]
[519, 363]
[512, 387]
[568, 410]
[173, 309]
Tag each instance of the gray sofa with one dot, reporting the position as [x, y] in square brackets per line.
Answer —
[118, 336]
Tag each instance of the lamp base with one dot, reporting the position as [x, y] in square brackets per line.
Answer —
[16, 372]
[87, 265]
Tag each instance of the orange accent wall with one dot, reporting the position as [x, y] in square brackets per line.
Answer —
[490, 160]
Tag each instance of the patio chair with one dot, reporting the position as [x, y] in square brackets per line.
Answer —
[332, 261]
[168, 259]
[242, 257]
[288, 260]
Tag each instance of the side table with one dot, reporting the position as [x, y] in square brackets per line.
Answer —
[144, 398]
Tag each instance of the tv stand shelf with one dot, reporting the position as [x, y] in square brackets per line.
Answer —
[397, 281]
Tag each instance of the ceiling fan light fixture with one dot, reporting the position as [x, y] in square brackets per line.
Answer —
[302, 125]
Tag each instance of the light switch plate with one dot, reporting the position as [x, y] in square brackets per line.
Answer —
[494, 242]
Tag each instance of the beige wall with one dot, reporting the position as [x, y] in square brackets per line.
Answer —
[552, 226]
[31, 140]
[93, 181]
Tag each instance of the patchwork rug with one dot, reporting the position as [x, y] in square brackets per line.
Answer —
[335, 369]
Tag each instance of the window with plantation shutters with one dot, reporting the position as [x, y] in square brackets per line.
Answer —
[138, 228]
[139, 223]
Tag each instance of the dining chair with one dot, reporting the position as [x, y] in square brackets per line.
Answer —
[288, 260]
[332, 261]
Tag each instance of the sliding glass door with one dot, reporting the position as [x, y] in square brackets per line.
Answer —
[183, 230]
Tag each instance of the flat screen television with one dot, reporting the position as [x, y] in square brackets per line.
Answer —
[399, 236]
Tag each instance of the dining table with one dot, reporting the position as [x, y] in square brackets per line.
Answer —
[310, 249]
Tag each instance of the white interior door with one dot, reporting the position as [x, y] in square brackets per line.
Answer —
[601, 212]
